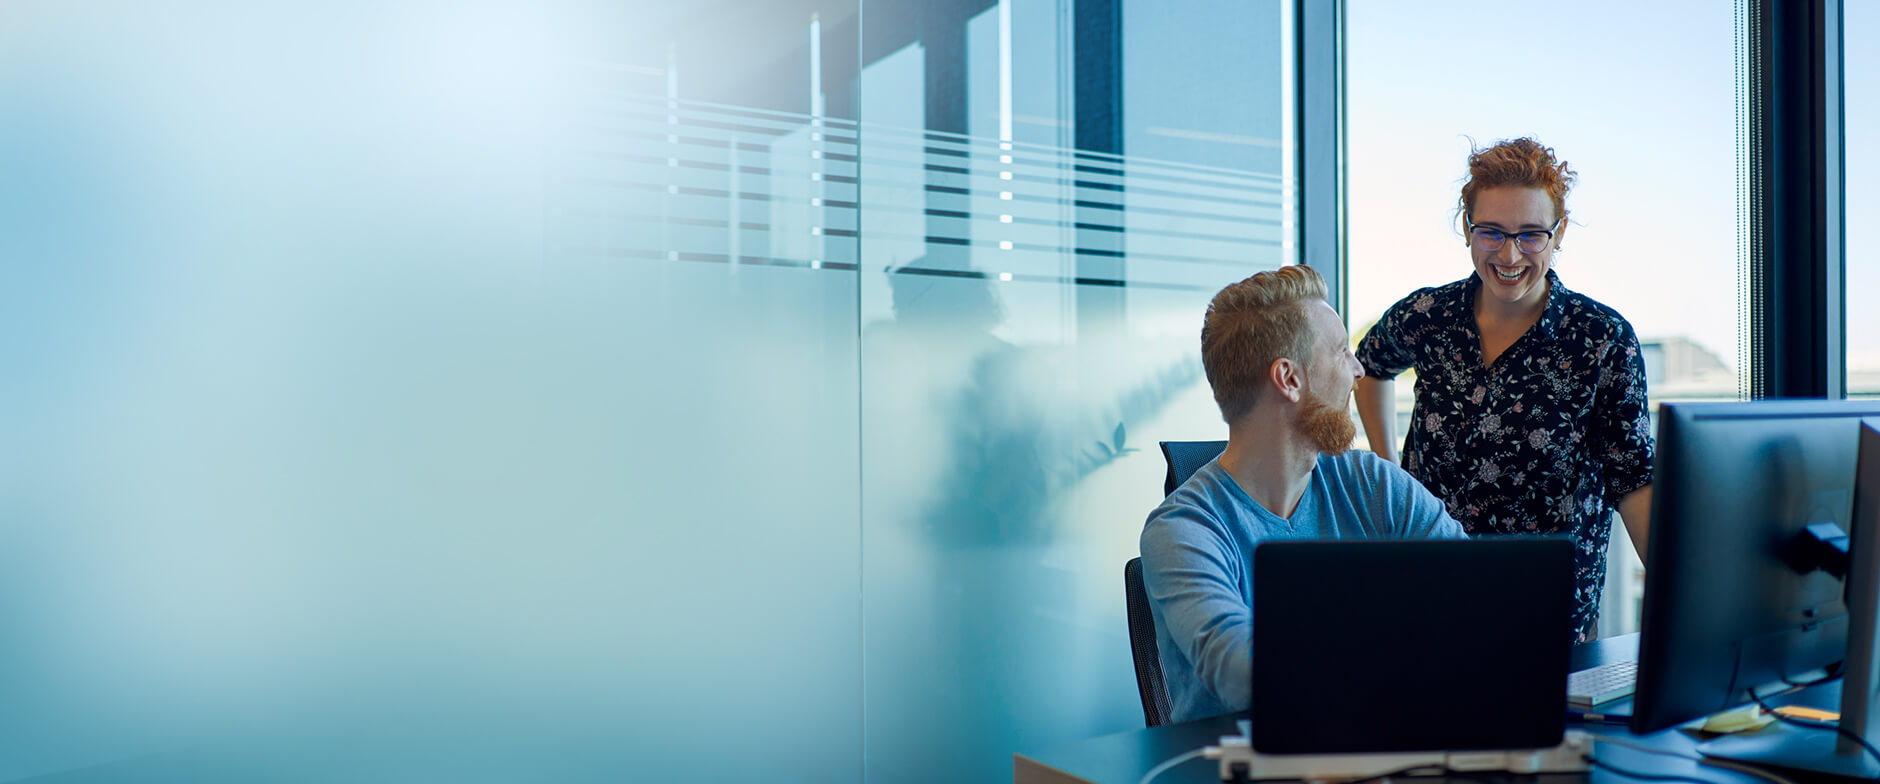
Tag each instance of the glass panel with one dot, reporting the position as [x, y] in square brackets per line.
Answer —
[428, 395]
[1860, 107]
[1032, 286]
[1651, 235]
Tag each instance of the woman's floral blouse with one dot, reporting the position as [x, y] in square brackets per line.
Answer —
[1545, 441]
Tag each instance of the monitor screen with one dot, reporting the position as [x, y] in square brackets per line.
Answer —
[1732, 600]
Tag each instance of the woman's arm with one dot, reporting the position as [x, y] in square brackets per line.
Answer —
[1620, 433]
[1377, 409]
[1635, 509]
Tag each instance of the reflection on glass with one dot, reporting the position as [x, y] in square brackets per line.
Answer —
[1043, 226]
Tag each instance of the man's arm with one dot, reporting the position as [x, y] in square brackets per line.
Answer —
[1186, 572]
[1377, 409]
[1635, 509]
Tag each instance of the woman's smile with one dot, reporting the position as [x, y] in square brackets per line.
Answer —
[1510, 275]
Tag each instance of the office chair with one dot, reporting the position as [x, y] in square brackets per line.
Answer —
[1184, 457]
[1149, 682]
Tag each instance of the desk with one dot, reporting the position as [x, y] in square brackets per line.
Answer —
[1123, 758]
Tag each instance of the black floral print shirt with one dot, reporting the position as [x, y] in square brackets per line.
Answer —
[1547, 440]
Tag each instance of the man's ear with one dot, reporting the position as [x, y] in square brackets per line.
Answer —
[1287, 377]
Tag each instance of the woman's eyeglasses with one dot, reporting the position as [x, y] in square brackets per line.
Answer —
[1490, 239]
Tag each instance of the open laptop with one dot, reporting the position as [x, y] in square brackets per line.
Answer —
[1410, 645]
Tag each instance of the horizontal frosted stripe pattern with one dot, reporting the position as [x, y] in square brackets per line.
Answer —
[790, 181]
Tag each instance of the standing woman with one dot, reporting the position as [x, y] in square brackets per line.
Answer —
[1530, 411]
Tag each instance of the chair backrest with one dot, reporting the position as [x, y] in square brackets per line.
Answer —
[1149, 682]
[1184, 457]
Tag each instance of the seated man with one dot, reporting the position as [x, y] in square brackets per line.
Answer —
[1281, 367]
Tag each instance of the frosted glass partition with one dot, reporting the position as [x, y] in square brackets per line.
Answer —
[1031, 301]
[718, 247]
[548, 392]
[390, 397]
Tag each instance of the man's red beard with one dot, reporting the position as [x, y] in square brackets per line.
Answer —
[1330, 429]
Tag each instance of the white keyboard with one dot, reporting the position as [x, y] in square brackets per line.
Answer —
[1604, 683]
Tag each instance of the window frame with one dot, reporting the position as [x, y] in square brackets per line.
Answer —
[1795, 276]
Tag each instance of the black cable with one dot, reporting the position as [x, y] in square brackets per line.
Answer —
[1630, 774]
[1845, 732]
[1800, 686]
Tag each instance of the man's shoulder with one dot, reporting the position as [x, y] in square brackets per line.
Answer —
[1364, 476]
[1356, 464]
[1197, 500]
[1204, 508]
[1379, 487]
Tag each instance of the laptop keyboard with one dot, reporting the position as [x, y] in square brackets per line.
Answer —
[1604, 683]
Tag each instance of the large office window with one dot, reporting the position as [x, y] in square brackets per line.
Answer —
[1653, 231]
[1860, 107]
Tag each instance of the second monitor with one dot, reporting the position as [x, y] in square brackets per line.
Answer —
[1743, 590]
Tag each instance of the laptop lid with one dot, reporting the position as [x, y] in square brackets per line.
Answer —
[1410, 645]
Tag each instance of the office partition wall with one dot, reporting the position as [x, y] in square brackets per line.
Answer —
[1050, 195]
[378, 409]
[658, 391]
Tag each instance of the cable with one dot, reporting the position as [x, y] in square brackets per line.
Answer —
[1742, 768]
[1801, 686]
[1171, 763]
[1845, 732]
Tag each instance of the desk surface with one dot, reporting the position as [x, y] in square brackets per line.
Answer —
[1123, 758]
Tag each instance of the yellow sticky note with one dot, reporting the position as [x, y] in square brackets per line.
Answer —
[1811, 714]
[1742, 719]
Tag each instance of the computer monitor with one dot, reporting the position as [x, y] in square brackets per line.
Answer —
[1742, 588]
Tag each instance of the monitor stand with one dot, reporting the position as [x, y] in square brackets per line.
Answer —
[1825, 750]
[1796, 748]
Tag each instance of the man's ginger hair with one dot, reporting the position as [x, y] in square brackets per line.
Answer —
[1252, 323]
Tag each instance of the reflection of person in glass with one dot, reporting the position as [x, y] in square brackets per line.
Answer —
[1530, 412]
[1280, 365]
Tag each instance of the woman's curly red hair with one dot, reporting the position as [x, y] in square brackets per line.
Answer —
[1521, 162]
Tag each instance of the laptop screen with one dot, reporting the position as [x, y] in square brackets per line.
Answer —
[1410, 645]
